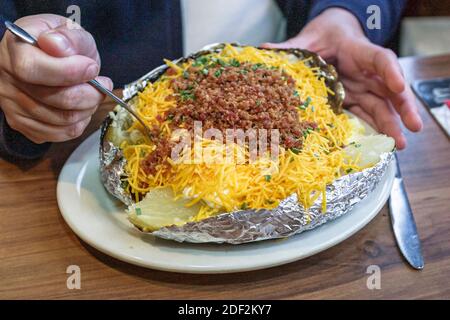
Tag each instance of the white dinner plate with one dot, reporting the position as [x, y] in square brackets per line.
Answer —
[100, 220]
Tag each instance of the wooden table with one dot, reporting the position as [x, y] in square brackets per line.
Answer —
[36, 246]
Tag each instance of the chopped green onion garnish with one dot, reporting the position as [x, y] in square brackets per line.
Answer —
[307, 102]
[256, 66]
[268, 177]
[201, 60]
[306, 132]
[295, 150]
[221, 62]
[235, 63]
[186, 95]
[138, 211]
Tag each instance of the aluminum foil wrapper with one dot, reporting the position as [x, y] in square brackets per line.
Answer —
[112, 166]
[242, 226]
[288, 219]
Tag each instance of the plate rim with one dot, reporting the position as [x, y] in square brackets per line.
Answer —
[171, 267]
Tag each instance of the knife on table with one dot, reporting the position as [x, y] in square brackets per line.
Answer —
[403, 223]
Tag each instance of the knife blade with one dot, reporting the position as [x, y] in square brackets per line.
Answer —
[403, 223]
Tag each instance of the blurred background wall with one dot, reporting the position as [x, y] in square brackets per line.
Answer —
[425, 29]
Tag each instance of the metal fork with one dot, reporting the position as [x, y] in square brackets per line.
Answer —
[28, 38]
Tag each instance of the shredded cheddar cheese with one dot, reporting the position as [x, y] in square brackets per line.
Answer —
[224, 187]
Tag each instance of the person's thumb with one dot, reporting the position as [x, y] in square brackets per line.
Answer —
[64, 42]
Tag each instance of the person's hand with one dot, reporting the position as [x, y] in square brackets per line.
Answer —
[373, 81]
[43, 91]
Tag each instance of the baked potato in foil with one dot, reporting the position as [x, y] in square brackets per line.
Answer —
[158, 213]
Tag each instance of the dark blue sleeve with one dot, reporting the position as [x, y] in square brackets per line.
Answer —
[2, 26]
[391, 11]
[7, 12]
[14, 145]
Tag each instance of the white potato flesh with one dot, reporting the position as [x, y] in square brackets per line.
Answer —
[158, 209]
[367, 147]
